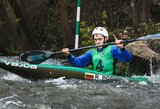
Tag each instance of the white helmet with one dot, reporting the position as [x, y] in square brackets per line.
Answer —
[100, 30]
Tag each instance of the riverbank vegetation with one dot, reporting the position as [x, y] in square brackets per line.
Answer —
[50, 24]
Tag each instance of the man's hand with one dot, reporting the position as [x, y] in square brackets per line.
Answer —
[66, 51]
[119, 44]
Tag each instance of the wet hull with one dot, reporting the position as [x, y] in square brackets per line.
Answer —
[46, 71]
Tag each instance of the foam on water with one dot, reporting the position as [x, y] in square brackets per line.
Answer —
[13, 77]
[155, 78]
[155, 71]
[61, 82]
[8, 97]
[54, 61]
[10, 100]
[41, 106]
[143, 83]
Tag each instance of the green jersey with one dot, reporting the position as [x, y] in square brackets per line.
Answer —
[103, 61]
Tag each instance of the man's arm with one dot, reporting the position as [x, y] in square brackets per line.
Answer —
[122, 54]
[80, 61]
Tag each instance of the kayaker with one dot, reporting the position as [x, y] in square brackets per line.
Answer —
[103, 59]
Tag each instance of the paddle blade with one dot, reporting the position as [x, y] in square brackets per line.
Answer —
[35, 56]
[152, 36]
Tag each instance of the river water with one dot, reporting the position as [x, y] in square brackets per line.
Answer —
[19, 93]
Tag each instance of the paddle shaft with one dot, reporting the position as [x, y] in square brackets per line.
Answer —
[93, 46]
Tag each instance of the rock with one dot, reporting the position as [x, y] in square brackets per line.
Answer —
[140, 49]
[144, 59]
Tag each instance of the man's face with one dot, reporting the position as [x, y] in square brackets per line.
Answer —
[99, 39]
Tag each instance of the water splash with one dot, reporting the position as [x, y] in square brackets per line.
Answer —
[10, 100]
[13, 77]
[155, 70]
[54, 61]
[61, 82]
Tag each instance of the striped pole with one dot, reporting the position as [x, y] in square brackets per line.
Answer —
[77, 24]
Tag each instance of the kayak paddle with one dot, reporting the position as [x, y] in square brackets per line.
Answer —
[39, 56]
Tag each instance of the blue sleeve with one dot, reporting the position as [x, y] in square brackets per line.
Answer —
[81, 61]
[121, 55]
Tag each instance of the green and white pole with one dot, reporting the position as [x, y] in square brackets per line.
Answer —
[77, 24]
